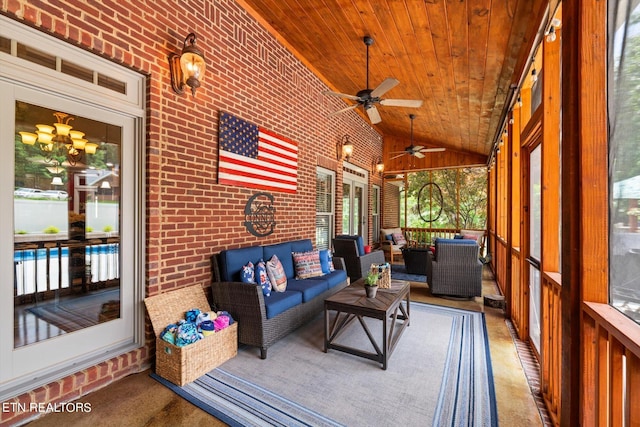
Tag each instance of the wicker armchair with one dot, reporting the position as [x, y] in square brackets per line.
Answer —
[391, 250]
[356, 262]
[457, 271]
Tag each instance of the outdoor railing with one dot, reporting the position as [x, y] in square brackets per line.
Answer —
[551, 357]
[612, 357]
[426, 236]
[48, 266]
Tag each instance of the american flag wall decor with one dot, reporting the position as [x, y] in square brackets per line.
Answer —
[251, 156]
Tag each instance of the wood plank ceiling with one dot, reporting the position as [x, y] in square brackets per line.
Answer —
[459, 56]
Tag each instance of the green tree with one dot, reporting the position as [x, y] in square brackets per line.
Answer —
[463, 203]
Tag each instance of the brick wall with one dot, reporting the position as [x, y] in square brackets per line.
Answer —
[390, 206]
[189, 216]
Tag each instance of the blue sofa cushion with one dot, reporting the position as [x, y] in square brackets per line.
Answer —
[358, 239]
[232, 261]
[334, 278]
[303, 245]
[279, 302]
[283, 252]
[309, 288]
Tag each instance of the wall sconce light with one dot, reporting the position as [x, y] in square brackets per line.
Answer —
[345, 148]
[57, 181]
[378, 166]
[534, 75]
[188, 67]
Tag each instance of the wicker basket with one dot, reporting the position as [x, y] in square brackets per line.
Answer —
[181, 365]
[384, 274]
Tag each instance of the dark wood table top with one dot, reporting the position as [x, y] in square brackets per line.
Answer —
[354, 300]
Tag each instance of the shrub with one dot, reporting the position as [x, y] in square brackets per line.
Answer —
[51, 230]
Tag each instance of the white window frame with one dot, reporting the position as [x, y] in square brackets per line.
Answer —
[330, 214]
[22, 79]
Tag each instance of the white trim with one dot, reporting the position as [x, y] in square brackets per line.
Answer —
[23, 80]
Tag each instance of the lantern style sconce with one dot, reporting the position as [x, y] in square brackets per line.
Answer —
[345, 148]
[188, 67]
[378, 166]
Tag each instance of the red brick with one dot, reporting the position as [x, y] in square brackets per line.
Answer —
[189, 215]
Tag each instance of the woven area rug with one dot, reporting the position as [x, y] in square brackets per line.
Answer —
[439, 374]
[399, 272]
[78, 312]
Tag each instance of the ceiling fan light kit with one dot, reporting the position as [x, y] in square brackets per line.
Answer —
[415, 150]
[368, 98]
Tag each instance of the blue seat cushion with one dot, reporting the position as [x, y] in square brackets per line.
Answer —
[309, 288]
[232, 261]
[334, 278]
[279, 302]
[358, 239]
[457, 241]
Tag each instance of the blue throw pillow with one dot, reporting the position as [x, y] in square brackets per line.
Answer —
[262, 278]
[326, 261]
[247, 274]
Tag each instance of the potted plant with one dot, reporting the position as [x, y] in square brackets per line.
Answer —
[371, 284]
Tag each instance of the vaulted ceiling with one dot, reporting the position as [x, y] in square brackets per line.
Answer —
[459, 56]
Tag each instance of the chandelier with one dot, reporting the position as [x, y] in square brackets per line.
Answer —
[60, 140]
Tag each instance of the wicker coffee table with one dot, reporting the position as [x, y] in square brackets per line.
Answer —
[351, 303]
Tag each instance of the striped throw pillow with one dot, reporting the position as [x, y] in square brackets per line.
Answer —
[307, 264]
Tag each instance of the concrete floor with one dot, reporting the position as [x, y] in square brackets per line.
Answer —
[138, 400]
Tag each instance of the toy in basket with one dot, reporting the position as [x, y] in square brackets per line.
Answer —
[384, 274]
[181, 365]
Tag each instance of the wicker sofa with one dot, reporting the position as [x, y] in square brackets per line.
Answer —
[264, 320]
[456, 269]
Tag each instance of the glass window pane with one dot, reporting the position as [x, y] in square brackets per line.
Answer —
[624, 147]
[324, 209]
[535, 195]
[346, 208]
[67, 223]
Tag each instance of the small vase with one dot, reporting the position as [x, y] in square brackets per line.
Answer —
[371, 291]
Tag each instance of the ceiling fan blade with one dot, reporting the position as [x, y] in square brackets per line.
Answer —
[350, 107]
[418, 147]
[432, 150]
[388, 84]
[373, 114]
[399, 155]
[418, 155]
[411, 103]
[341, 95]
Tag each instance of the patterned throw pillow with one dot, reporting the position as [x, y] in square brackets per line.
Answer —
[307, 264]
[276, 274]
[247, 274]
[262, 278]
[398, 239]
[326, 261]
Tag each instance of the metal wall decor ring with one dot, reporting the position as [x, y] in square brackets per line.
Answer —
[428, 194]
[260, 215]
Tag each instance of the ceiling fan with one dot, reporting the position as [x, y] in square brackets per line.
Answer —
[368, 98]
[414, 150]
